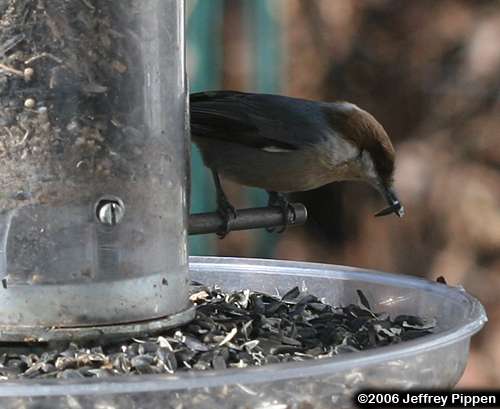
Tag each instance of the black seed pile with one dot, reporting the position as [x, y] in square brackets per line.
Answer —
[231, 330]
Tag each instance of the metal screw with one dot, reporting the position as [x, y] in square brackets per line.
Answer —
[110, 212]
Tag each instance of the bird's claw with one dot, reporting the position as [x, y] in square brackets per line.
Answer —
[228, 213]
[288, 211]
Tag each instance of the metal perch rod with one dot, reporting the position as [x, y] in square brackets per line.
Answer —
[254, 218]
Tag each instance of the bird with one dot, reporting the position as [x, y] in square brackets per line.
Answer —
[284, 144]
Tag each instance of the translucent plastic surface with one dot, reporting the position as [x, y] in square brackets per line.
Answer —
[435, 361]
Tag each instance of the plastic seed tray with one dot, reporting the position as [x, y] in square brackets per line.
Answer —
[433, 361]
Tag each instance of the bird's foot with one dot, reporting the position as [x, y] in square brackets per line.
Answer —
[228, 213]
[279, 200]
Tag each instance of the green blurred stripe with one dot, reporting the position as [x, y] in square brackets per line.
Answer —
[264, 30]
[204, 50]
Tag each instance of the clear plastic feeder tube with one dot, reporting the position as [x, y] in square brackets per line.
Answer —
[93, 163]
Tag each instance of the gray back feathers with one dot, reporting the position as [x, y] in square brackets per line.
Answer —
[257, 120]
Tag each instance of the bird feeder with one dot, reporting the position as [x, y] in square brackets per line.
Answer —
[93, 172]
[94, 150]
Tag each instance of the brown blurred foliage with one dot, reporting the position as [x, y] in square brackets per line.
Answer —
[429, 71]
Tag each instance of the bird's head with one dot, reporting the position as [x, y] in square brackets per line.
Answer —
[375, 161]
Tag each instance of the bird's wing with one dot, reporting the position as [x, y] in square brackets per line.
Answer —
[269, 122]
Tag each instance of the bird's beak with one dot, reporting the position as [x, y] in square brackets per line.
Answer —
[395, 205]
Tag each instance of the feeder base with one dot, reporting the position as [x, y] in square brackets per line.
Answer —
[27, 334]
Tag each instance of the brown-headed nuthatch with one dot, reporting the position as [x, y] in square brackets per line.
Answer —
[285, 144]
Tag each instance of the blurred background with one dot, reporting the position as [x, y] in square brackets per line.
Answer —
[429, 71]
